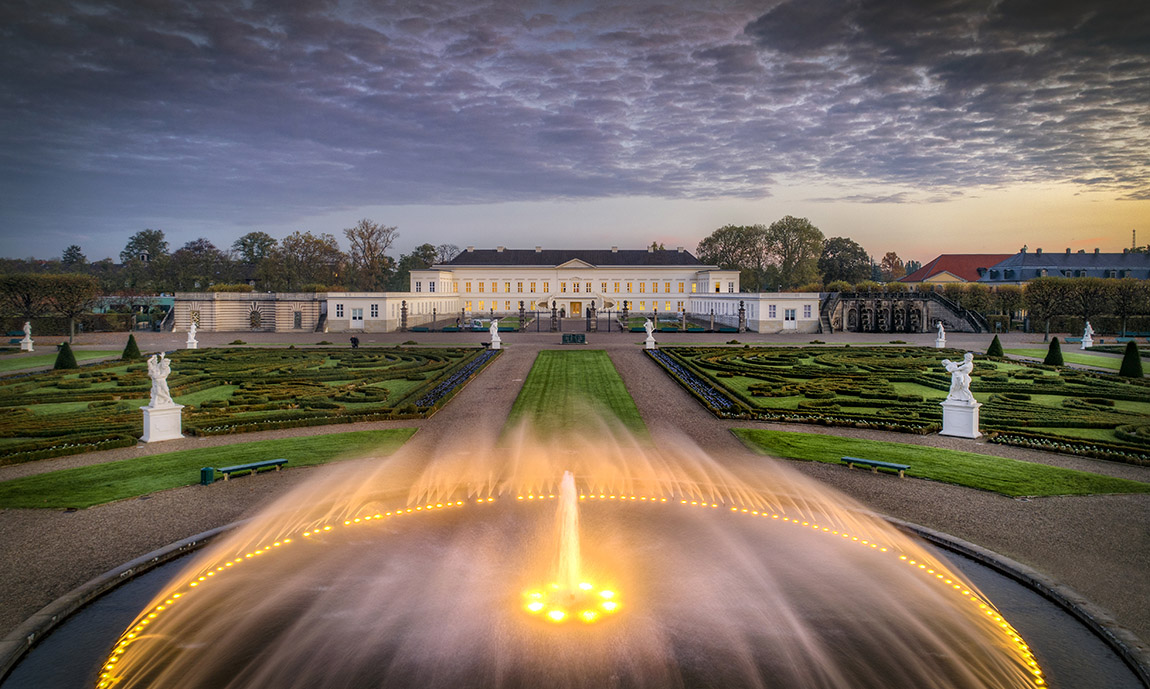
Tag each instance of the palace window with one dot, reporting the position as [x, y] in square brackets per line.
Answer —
[507, 287]
[467, 305]
[467, 287]
[667, 287]
[716, 287]
[603, 287]
[506, 306]
[642, 306]
[418, 286]
[655, 287]
[563, 287]
[575, 287]
[771, 313]
[375, 310]
[628, 288]
[480, 287]
[588, 287]
[339, 310]
[546, 286]
[666, 306]
[806, 310]
[693, 286]
[730, 287]
[616, 288]
[431, 286]
[520, 286]
[533, 288]
[481, 305]
[642, 287]
[680, 286]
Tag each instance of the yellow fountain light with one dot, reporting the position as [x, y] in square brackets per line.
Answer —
[557, 604]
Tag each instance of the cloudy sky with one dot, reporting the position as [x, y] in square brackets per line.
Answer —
[921, 127]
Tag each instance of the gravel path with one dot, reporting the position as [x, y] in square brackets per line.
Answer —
[1098, 545]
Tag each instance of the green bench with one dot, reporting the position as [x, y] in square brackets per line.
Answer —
[727, 329]
[876, 465]
[574, 338]
[419, 329]
[208, 474]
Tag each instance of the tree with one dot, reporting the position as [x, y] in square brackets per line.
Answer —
[1054, 353]
[303, 259]
[797, 245]
[369, 243]
[65, 359]
[24, 295]
[445, 252]
[657, 246]
[1008, 300]
[131, 350]
[1045, 299]
[1131, 361]
[1131, 297]
[892, 268]
[995, 348]
[421, 257]
[741, 248]
[912, 266]
[254, 247]
[71, 295]
[843, 259]
[198, 264]
[977, 298]
[1089, 297]
[73, 257]
[150, 243]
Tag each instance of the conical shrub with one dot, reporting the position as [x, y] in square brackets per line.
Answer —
[995, 348]
[1131, 361]
[131, 350]
[1054, 354]
[65, 358]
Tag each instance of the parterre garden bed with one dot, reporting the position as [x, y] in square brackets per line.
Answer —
[228, 390]
[899, 389]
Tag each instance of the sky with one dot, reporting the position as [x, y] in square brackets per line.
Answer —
[924, 127]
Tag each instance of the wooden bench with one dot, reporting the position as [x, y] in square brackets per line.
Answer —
[419, 329]
[252, 467]
[876, 465]
[574, 338]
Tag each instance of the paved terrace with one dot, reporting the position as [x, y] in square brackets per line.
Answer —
[1097, 545]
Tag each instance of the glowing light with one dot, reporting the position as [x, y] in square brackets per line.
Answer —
[557, 615]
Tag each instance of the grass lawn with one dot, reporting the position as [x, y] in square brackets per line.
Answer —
[1072, 357]
[18, 362]
[1007, 476]
[100, 483]
[563, 387]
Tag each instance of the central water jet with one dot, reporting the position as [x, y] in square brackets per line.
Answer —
[570, 594]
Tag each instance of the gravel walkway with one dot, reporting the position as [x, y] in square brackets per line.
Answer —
[1097, 545]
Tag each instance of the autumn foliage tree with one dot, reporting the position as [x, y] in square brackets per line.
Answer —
[368, 245]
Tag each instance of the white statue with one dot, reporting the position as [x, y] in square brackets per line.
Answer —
[192, 331]
[27, 330]
[26, 343]
[941, 332]
[1089, 332]
[158, 370]
[940, 339]
[494, 329]
[650, 328]
[960, 377]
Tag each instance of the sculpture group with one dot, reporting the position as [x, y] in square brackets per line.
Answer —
[960, 409]
[162, 416]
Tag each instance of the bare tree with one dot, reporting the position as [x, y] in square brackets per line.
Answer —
[445, 252]
[369, 243]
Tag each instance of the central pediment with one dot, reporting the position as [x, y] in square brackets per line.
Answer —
[575, 263]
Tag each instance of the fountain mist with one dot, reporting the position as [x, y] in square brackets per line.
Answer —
[412, 571]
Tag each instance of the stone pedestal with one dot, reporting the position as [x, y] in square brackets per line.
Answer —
[26, 345]
[192, 344]
[162, 423]
[650, 342]
[1087, 342]
[496, 342]
[960, 419]
[940, 343]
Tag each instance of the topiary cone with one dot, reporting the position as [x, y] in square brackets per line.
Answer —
[131, 350]
[1131, 361]
[1054, 354]
[65, 358]
[995, 348]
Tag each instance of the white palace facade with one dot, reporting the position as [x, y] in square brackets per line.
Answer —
[483, 282]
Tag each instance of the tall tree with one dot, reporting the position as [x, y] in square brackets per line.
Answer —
[150, 243]
[369, 242]
[738, 247]
[1045, 298]
[657, 246]
[303, 260]
[892, 267]
[71, 295]
[1090, 297]
[73, 257]
[198, 264]
[843, 259]
[1131, 298]
[912, 266]
[445, 252]
[422, 256]
[1008, 300]
[253, 247]
[797, 245]
[24, 295]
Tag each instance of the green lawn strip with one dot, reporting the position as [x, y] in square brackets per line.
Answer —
[101, 483]
[19, 363]
[1007, 476]
[1072, 358]
[564, 386]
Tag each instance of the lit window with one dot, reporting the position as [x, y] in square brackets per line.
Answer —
[467, 287]
[533, 288]
[679, 306]
[616, 288]
[628, 288]
[375, 310]
[642, 306]
[716, 287]
[642, 287]
[655, 287]
[666, 306]
[494, 287]
[546, 286]
[506, 306]
[507, 287]
[680, 287]
[588, 287]
[520, 286]
[467, 305]
[603, 287]
[339, 310]
[693, 286]
[667, 287]
[481, 305]
[481, 288]
[563, 287]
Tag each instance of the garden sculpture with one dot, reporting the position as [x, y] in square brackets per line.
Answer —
[27, 330]
[960, 378]
[192, 331]
[941, 332]
[158, 370]
[649, 327]
[1089, 332]
[494, 329]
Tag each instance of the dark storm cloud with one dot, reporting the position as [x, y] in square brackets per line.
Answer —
[269, 110]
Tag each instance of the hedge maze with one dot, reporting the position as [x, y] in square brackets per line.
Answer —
[899, 389]
[228, 391]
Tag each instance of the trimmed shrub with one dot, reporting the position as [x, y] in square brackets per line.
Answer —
[65, 358]
[131, 350]
[995, 348]
[1131, 361]
[1054, 354]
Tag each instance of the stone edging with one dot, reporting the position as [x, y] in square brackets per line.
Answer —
[1122, 641]
[1126, 644]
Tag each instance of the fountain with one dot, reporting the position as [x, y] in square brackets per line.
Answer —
[573, 564]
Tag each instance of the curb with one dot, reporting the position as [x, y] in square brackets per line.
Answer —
[1131, 649]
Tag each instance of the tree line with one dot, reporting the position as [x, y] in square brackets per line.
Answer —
[301, 261]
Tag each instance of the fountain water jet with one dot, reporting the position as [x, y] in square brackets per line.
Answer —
[737, 575]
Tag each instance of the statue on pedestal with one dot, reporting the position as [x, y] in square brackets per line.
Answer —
[192, 343]
[650, 328]
[494, 330]
[960, 377]
[940, 338]
[26, 343]
[158, 370]
[1088, 336]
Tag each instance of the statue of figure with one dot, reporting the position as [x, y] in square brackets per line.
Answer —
[649, 327]
[960, 377]
[192, 331]
[1089, 332]
[941, 332]
[27, 330]
[158, 370]
[494, 329]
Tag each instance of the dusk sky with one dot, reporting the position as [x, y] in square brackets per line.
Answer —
[922, 127]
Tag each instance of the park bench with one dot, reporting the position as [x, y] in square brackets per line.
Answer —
[574, 338]
[16, 340]
[876, 465]
[727, 329]
[420, 329]
[207, 474]
[1074, 340]
[451, 329]
[638, 329]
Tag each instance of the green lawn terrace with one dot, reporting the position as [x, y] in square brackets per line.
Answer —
[228, 390]
[900, 388]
